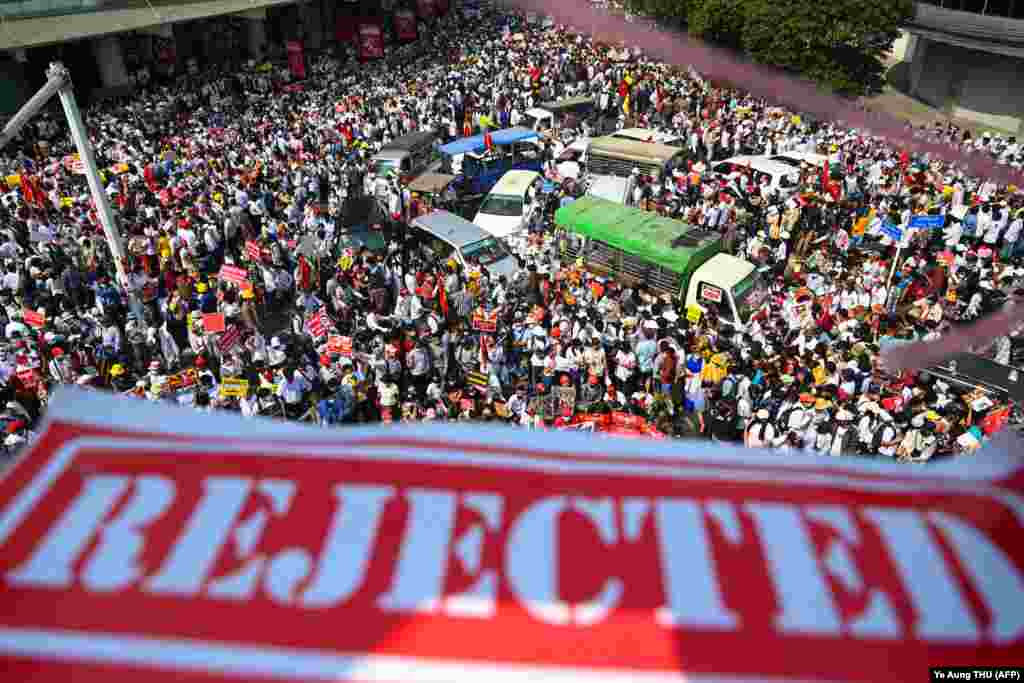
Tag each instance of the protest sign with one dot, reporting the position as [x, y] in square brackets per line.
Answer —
[233, 274]
[213, 322]
[340, 345]
[34, 318]
[234, 387]
[483, 321]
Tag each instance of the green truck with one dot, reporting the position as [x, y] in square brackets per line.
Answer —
[668, 256]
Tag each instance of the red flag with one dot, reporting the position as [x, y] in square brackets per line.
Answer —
[488, 141]
[443, 299]
[623, 89]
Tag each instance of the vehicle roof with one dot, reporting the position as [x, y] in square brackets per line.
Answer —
[607, 187]
[633, 149]
[729, 270]
[453, 229]
[644, 134]
[430, 182]
[475, 143]
[809, 157]
[538, 113]
[667, 242]
[410, 141]
[566, 103]
[760, 163]
[514, 183]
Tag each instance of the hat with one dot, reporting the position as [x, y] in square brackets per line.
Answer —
[807, 398]
[200, 362]
[763, 414]
[116, 370]
[56, 352]
[247, 294]
[201, 287]
[822, 404]
[154, 365]
[593, 379]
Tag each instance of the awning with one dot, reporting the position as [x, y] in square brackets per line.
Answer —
[506, 136]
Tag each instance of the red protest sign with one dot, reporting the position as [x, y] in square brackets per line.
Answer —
[34, 318]
[213, 322]
[120, 554]
[252, 250]
[233, 274]
[340, 345]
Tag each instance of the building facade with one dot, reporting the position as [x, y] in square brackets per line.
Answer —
[966, 57]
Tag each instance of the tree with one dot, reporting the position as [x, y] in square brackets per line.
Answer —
[720, 22]
[838, 43]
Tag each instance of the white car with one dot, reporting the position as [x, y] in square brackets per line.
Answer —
[572, 160]
[509, 205]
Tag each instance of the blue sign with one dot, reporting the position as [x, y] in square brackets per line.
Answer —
[929, 222]
[895, 232]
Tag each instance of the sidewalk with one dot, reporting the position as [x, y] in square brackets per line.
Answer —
[903, 106]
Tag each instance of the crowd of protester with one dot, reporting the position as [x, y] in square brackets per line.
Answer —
[234, 193]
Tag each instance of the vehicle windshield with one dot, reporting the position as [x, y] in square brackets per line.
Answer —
[382, 166]
[485, 252]
[749, 294]
[789, 161]
[502, 205]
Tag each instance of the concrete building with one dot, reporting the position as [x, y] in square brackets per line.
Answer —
[966, 57]
[107, 44]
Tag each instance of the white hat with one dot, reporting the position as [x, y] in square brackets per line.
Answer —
[763, 414]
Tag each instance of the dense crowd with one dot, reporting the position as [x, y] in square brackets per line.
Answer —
[235, 194]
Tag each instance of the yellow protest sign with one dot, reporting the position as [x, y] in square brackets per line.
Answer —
[234, 387]
[693, 314]
[14, 180]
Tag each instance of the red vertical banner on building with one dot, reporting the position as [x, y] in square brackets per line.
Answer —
[296, 59]
[371, 41]
[425, 8]
[345, 28]
[405, 25]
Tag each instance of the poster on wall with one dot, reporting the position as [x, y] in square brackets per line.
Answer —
[296, 60]
[371, 41]
[405, 25]
[425, 8]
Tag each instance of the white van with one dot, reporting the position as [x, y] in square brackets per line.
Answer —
[510, 203]
[782, 177]
[795, 159]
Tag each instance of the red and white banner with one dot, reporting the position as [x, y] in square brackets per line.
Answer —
[339, 345]
[149, 542]
[229, 338]
[319, 324]
[405, 25]
[252, 250]
[371, 41]
[296, 59]
[234, 274]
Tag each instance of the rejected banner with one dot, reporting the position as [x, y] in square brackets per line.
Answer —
[142, 540]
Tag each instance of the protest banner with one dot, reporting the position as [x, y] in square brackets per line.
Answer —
[229, 338]
[213, 322]
[425, 9]
[371, 41]
[34, 318]
[233, 274]
[253, 251]
[120, 528]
